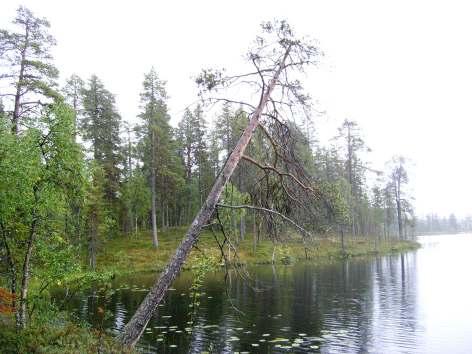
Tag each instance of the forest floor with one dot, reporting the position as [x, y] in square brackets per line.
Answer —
[125, 255]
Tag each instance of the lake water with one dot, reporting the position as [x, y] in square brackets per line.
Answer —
[417, 302]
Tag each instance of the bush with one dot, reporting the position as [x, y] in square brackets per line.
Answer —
[65, 338]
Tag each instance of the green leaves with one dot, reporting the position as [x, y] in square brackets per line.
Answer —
[40, 170]
[210, 79]
[202, 265]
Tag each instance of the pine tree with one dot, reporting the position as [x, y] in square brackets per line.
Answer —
[225, 129]
[26, 56]
[398, 180]
[73, 91]
[204, 171]
[95, 211]
[194, 155]
[155, 136]
[100, 126]
[352, 144]
[2, 112]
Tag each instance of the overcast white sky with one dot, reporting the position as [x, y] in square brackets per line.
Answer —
[401, 69]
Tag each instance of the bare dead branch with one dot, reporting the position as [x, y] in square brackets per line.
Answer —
[302, 230]
[272, 168]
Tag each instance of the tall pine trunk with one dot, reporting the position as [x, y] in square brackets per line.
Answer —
[399, 211]
[17, 106]
[155, 241]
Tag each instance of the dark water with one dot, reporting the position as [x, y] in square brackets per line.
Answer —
[418, 302]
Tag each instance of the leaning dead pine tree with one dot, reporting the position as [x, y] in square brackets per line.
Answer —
[278, 57]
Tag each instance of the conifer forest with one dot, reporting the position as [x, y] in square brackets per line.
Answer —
[235, 186]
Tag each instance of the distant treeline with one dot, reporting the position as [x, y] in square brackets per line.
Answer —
[433, 224]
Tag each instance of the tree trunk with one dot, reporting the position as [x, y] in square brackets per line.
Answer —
[254, 233]
[135, 327]
[155, 242]
[163, 216]
[167, 216]
[21, 320]
[11, 265]
[242, 227]
[16, 109]
[399, 212]
[93, 242]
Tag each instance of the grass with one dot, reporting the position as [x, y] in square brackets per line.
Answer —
[125, 255]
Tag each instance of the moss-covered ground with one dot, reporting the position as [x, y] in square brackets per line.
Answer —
[132, 254]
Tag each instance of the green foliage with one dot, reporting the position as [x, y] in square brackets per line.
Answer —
[44, 160]
[284, 255]
[193, 151]
[73, 91]
[136, 197]
[201, 266]
[54, 202]
[57, 337]
[157, 148]
[39, 172]
[230, 217]
[209, 79]
[100, 220]
[25, 53]
[100, 125]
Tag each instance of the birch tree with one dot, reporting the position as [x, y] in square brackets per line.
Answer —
[39, 172]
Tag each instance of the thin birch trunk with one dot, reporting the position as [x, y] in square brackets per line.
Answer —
[21, 320]
[11, 265]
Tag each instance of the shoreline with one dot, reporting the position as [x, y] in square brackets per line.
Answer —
[130, 255]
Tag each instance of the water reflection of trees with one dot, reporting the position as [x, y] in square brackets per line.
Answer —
[346, 303]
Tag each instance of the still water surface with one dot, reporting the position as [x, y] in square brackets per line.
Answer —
[417, 302]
